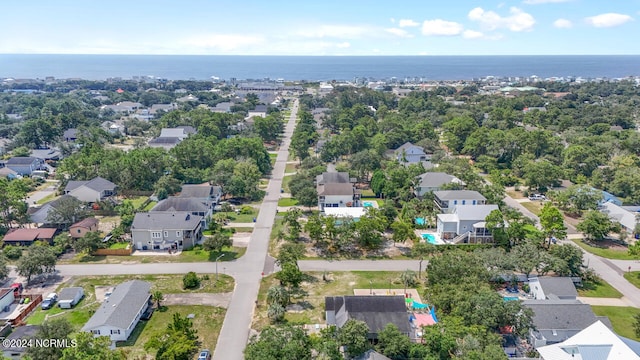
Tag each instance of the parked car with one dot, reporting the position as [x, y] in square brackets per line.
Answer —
[537, 197]
[49, 301]
[204, 355]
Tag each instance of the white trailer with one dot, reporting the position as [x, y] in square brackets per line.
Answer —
[69, 297]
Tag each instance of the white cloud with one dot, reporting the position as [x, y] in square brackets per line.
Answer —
[536, 2]
[343, 45]
[441, 27]
[408, 23]
[563, 24]
[336, 31]
[517, 20]
[399, 32]
[224, 42]
[472, 34]
[608, 20]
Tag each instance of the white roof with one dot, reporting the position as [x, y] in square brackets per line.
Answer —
[595, 342]
[448, 217]
[620, 214]
[354, 212]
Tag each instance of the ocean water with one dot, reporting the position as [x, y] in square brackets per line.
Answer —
[315, 68]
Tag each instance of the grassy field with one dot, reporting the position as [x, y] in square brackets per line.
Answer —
[290, 168]
[533, 206]
[230, 253]
[240, 218]
[47, 198]
[149, 206]
[633, 277]
[167, 284]
[285, 183]
[600, 289]
[137, 201]
[606, 252]
[273, 157]
[77, 316]
[621, 318]
[515, 194]
[119, 245]
[207, 321]
[287, 202]
[368, 193]
[338, 283]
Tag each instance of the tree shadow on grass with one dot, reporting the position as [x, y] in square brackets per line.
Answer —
[92, 258]
[135, 334]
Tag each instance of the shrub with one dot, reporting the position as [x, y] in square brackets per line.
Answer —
[205, 277]
[246, 210]
[190, 280]
[12, 252]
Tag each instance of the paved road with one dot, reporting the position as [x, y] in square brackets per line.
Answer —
[361, 265]
[41, 194]
[235, 330]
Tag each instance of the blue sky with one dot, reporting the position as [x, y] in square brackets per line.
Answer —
[328, 27]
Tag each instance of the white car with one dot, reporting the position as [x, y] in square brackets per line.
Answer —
[52, 296]
[537, 197]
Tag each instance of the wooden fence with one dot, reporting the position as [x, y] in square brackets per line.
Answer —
[34, 300]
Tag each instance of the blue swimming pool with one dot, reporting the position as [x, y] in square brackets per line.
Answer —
[430, 238]
[510, 298]
[367, 204]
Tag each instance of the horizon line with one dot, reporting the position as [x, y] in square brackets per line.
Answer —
[335, 55]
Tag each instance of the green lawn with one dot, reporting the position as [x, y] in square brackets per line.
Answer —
[272, 158]
[289, 168]
[277, 227]
[600, 289]
[137, 201]
[119, 245]
[338, 283]
[287, 202]
[47, 198]
[230, 253]
[633, 277]
[606, 252]
[77, 316]
[167, 284]
[207, 321]
[240, 218]
[621, 318]
[368, 193]
[149, 206]
[533, 206]
[285, 183]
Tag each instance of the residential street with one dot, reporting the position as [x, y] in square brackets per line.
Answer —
[41, 194]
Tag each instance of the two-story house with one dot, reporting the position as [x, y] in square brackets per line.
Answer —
[336, 189]
[410, 153]
[447, 200]
[201, 207]
[466, 224]
[165, 230]
[25, 165]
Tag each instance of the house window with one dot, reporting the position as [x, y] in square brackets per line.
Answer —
[115, 332]
[455, 202]
[95, 332]
[474, 202]
[166, 234]
[156, 235]
[178, 233]
[464, 201]
[79, 231]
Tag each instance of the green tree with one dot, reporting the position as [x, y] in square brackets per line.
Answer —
[4, 269]
[190, 280]
[179, 341]
[38, 260]
[290, 275]
[90, 347]
[353, 336]
[67, 211]
[552, 222]
[89, 243]
[597, 225]
[393, 344]
[216, 242]
[158, 297]
[278, 295]
[569, 255]
[290, 253]
[58, 329]
[402, 232]
[276, 312]
[307, 197]
[167, 185]
[279, 343]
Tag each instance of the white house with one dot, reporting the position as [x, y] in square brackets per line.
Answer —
[466, 224]
[447, 200]
[337, 195]
[120, 312]
[409, 153]
[6, 298]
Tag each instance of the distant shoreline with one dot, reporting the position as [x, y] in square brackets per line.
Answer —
[317, 68]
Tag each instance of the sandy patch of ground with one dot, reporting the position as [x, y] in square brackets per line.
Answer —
[241, 239]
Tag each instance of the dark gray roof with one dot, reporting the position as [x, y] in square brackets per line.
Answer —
[20, 332]
[458, 195]
[333, 177]
[558, 286]
[187, 129]
[165, 140]
[377, 311]
[21, 160]
[69, 293]
[260, 108]
[159, 220]
[122, 306]
[98, 184]
[174, 203]
[196, 191]
[335, 189]
[372, 355]
[70, 134]
[437, 179]
[558, 322]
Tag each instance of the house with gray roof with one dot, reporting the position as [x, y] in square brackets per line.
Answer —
[556, 321]
[70, 135]
[626, 218]
[410, 153]
[25, 165]
[375, 310]
[206, 192]
[434, 181]
[17, 346]
[166, 143]
[121, 311]
[165, 230]
[466, 224]
[447, 200]
[553, 288]
[40, 215]
[334, 177]
[155, 108]
[89, 191]
[195, 206]
[179, 132]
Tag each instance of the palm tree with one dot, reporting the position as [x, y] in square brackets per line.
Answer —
[275, 312]
[278, 295]
[157, 296]
[408, 278]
